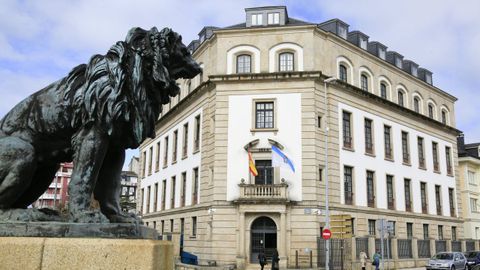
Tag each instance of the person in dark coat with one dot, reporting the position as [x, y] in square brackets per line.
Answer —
[262, 260]
[275, 260]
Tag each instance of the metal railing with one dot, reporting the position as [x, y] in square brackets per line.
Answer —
[457, 246]
[263, 192]
[423, 248]
[404, 247]
[470, 245]
[361, 244]
[440, 246]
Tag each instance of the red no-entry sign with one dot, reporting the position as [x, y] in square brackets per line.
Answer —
[326, 234]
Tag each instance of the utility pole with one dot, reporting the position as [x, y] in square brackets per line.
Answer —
[327, 212]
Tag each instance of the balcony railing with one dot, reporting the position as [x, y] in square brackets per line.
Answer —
[267, 193]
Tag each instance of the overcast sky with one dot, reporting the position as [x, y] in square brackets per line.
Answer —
[41, 41]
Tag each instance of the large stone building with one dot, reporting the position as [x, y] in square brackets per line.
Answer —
[468, 173]
[389, 133]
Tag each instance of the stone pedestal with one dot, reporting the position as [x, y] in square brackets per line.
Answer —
[84, 253]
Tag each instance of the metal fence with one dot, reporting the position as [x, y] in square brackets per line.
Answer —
[387, 248]
[404, 247]
[440, 246]
[457, 246]
[340, 253]
[361, 244]
[470, 245]
[423, 248]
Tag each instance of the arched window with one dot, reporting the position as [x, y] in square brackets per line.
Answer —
[383, 90]
[416, 104]
[285, 61]
[244, 63]
[342, 71]
[364, 82]
[400, 98]
[430, 110]
[444, 117]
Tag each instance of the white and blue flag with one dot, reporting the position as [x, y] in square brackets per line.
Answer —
[279, 159]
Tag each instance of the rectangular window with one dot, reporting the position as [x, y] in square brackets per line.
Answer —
[320, 173]
[423, 197]
[286, 61]
[148, 199]
[319, 121]
[144, 163]
[194, 226]
[438, 200]
[172, 224]
[175, 146]
[405, 149]
[370, 189]
[451, 200]
[184, 186]
[391, 227]
[425, 231]
[347, 130]
[348, 184]
[449, 160]
[383, 91]
[264, 113]
[436, 166]
[408, 195]
[164, 193]
[390, 194]
[196, 139]
[274, 18]
[388, 142]
[265, 172]
[400, 98]
[371, 227]
[368, 136]
[182, 225]
[195, 186]
[257, 19]
[409, 230]
[172, 193]
[155, 198]
[143, 200]
[185, 141]
[162, 229]
[440, 232]
[471, 178]
[150, 161]
[454, 233]
[421, 154]
[473, 205]
[157, 161]
[165, 153]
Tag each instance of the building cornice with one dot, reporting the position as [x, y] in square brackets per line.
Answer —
[469, 159]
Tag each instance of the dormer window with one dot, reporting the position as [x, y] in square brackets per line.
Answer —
[428, 78]
[382, 53]
[274, 18]
[342, 31]
[202, 38]
[363, 43]
[398, 62]
[257, 19]
[415, 71]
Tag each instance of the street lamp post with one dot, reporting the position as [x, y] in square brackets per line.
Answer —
[327, 212]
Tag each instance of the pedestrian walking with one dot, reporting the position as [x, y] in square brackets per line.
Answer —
[376, 259]
[262, 260]
[363, 259]
[275, 260]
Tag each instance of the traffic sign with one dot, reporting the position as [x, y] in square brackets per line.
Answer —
[326, 234]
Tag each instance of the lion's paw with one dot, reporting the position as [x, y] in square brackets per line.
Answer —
[125, 218]
[88, 217]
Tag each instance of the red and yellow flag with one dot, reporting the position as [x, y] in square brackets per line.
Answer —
[251, 165]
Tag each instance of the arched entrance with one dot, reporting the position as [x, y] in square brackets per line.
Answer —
[263, 238]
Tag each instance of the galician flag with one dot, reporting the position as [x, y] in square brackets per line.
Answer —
[251, 164]
[279, 159]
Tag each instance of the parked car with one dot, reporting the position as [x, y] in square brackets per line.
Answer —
[473, 258]
[447, 260]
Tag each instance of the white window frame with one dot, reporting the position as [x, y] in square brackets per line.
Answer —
[257, 19]
[274, 18]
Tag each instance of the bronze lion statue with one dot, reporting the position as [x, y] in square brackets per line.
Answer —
[90, 117]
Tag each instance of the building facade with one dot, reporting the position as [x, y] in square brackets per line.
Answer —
[380, 133]
[56, 196]
[469, 171]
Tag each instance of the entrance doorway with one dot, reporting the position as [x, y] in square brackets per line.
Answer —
[263, 238]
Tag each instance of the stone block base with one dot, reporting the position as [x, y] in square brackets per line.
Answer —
[84, 253]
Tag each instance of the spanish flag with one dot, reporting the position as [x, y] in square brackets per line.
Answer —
[251, 165]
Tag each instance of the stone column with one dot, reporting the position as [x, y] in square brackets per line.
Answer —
[371, 246]
[432, 247]
[353, 255]
[464, 245]
[394, 252]
[477, 245]
[449, 245]
[176, 246]
[241, 241]
[415, 251]
[282, 251]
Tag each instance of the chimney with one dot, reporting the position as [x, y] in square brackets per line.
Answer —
[461, 144]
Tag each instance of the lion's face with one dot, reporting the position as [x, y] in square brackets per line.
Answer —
[181, 63]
